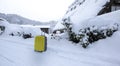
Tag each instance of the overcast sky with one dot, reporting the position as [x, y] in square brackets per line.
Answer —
[42, 10]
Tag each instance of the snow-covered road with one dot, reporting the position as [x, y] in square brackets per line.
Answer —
[15, 51]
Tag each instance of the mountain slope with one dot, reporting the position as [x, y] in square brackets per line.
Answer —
[16, 19]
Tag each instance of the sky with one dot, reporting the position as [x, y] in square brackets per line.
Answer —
[40, 10]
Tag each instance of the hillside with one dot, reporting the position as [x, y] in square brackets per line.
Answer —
[16, 19]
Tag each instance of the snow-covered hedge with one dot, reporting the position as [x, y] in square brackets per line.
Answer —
[24, 31]
[91, 34]
[21, 34]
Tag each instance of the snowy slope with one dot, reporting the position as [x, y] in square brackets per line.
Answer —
[82, 10]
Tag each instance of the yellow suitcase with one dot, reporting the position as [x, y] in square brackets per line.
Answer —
[40, 43]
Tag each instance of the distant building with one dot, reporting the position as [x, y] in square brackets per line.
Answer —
[116, 5]
[113, 5]
[44, 28]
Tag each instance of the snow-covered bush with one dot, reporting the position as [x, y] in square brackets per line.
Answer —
[25, 32]
[2, 29]
[21, 34]
[25, 36]
[73, 37]
[59, 36]
[69, 29]
[91, 34]
[3, 25]
[15, 33]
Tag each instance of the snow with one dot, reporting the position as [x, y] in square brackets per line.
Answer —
[113, 17]
[16, 51]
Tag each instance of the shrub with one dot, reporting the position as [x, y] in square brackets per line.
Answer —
[25, 36]
[89, 35]
[15, 34]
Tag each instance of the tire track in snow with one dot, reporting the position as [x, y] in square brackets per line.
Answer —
[9, 60]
